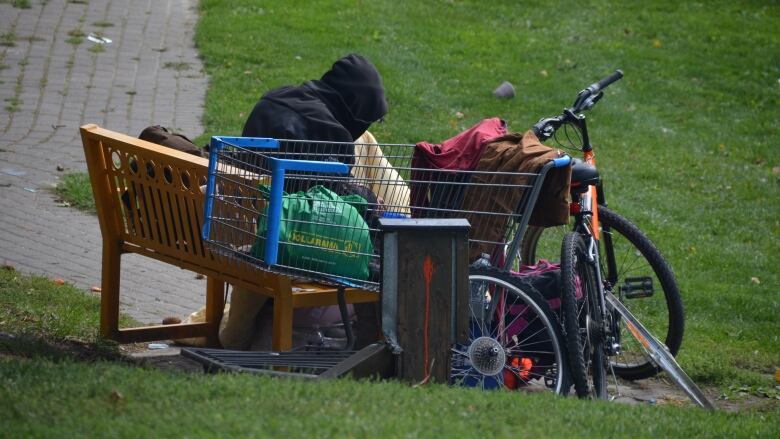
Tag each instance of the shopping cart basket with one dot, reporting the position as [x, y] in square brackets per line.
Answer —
[310, 209]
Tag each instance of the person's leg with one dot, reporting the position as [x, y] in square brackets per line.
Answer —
[239, 330]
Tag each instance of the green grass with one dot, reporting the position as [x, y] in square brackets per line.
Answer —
[21, 4]
[687, 141]
[40, 307]
[46, 393]
[75, 36]
[76, 189]
[103, 24]
[177, 66]
[64, 399]
[13, 104]
[8, 39]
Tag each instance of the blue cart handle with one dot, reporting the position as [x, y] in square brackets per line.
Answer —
[278, 169]
[561, 162]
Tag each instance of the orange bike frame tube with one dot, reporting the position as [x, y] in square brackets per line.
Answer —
[590, 159]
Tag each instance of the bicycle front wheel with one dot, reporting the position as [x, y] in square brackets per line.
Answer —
[514, 339]
[636, 272]
[582, 319]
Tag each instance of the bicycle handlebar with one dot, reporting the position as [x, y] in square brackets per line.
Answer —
[604, 83]
[586, 99]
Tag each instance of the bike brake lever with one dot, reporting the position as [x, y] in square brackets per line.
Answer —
[597, 98]
[544, 129]
[591, 101]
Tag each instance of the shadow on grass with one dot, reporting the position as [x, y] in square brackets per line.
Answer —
[74, 349]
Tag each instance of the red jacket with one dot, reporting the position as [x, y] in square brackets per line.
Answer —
[459, 153]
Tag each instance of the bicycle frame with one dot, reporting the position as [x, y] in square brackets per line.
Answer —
[587, 225]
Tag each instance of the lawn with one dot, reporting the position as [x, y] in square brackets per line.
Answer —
[45, 392]
[686, 142]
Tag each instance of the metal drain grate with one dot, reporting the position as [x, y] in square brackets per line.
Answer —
[303, 363]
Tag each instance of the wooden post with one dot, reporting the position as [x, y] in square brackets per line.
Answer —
[425, 293]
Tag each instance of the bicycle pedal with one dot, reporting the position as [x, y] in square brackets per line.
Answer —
[637, 287]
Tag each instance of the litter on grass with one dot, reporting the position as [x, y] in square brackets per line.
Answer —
[95, 38]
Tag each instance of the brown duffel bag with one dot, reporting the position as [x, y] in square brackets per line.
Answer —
[161, 136]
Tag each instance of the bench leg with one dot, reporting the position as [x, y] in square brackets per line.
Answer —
[109, 300]
[283, 316]
[215, 306]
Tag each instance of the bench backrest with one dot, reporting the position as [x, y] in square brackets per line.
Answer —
[149, 197]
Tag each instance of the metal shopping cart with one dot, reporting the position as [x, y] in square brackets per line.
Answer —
[309, 209]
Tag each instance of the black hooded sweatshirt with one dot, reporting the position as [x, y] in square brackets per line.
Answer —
[338, 107]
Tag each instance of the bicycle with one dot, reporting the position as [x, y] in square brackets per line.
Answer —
[630, 264]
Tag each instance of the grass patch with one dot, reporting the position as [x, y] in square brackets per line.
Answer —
[708, 196]
[37, 382]
[97, 48]
[76, 190]
[177, 66]
[8, 39]
[103, 24]
[75, 36]
[710, 201]
[47, 309]
[32, 38]
[13, 104]
[240, 406]
[21, 4]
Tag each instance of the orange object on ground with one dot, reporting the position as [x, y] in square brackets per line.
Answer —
[521, 369]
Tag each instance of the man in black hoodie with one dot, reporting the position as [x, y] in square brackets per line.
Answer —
[339, 107]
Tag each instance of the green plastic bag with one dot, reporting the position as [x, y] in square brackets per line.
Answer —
[331, 235]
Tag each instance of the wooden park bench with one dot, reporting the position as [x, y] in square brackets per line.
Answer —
[149, 201]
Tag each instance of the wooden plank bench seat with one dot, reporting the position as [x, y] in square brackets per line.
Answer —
[149, 201]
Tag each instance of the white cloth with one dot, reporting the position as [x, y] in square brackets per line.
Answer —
[373, 170]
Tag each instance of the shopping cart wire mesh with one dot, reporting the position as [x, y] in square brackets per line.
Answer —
[311, 208]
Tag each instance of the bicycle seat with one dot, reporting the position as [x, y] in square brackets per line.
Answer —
[582, 176]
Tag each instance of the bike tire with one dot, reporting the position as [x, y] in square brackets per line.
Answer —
[665, 317]
[532, 358]
[582, 319]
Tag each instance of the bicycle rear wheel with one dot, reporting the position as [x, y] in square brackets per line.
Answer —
[514, 338]
[632, 269]
[582, 319]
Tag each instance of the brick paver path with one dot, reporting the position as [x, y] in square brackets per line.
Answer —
[52, 80]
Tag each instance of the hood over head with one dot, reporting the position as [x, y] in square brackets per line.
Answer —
[353, 90]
